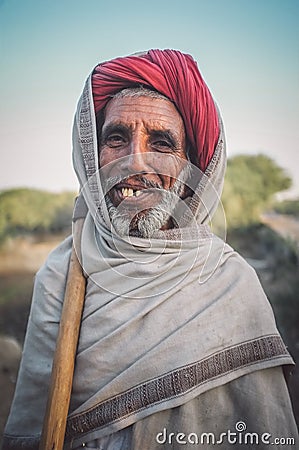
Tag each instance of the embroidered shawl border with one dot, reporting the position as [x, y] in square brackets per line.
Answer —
[175, 383]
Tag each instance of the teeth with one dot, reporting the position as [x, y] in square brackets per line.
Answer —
[129, 192]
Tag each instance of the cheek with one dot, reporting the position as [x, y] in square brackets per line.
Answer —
[104, 156]
[107, 163]
[168, 182]
[169, 172]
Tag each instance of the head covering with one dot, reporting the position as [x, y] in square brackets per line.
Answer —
[173, 74]
[176, 76]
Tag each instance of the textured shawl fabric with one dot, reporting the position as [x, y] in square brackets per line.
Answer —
[165, 320]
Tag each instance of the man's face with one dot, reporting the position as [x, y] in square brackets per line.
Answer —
[148, 135]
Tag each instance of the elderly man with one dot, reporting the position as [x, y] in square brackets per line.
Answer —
[178, 344]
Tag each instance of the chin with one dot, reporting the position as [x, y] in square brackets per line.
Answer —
[144, 221]
[143, 225]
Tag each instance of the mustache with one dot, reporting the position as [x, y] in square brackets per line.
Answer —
[111, 182]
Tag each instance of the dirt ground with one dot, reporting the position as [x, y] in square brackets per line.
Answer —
[19, 261]
[287, 226]
[10, 355]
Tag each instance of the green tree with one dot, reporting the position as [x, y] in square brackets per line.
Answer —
[31, 210]
[290, 207]
[250, 183]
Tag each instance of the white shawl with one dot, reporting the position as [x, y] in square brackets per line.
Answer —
[164, 321]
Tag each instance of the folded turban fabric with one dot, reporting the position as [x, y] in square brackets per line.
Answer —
[173, 74]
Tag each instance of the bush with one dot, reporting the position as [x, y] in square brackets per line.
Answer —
[250, 183]
[290, 207]
[31, 210]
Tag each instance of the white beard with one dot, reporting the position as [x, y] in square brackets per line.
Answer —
[125, 222]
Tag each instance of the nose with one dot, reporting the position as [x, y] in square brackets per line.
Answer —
[136, 160]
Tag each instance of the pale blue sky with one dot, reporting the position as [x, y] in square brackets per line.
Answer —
[248, 52]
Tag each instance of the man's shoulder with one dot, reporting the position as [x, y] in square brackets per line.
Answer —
[241, 265]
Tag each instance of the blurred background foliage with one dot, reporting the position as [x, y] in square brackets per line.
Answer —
[251, 185]
[34, 211]
[249, 188]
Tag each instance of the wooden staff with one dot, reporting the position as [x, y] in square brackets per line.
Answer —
[54, 425]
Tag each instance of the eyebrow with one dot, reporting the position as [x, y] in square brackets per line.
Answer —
[113, 127]
[166, 134]
[118, 127]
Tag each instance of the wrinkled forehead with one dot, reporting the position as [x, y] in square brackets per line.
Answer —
[151, 113]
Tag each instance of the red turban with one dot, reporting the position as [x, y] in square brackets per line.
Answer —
[174, 75]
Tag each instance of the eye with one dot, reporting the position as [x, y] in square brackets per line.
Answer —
[162, 145]
[115, 140]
